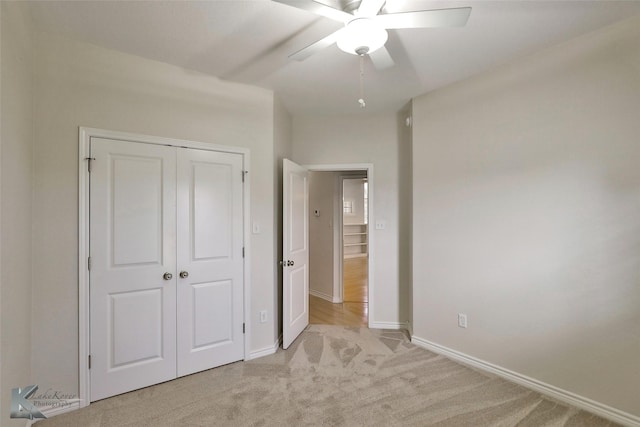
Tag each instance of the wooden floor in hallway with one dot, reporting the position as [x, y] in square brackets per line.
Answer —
[354, 273]
[354, 311]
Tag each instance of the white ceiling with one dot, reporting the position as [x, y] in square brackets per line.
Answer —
[248, 41]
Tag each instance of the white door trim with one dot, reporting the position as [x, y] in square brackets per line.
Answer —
[368, 167]
[84, 139]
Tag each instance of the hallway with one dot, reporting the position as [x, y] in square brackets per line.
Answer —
[354, 311]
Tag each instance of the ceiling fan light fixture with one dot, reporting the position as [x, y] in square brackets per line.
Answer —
[362, 36]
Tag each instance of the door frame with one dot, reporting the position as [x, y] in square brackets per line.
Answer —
[337, 257]
[84, 140]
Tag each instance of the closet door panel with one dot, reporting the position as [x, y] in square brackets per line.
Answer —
[210, 259]
[132, 246]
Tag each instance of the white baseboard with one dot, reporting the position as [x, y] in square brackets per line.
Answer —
[389, 325]
[324, 296]
[573, 399]
[266, 351]
[57, 410]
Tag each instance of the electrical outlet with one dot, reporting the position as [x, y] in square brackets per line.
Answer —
[263, 316]
[462, 320]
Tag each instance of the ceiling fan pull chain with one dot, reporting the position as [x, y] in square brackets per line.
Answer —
[361, 100]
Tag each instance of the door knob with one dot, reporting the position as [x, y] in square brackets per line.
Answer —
[184, 274]
[290, 263]
[167, 276]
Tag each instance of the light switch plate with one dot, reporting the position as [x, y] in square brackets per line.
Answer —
[380, 225]
[255, 229]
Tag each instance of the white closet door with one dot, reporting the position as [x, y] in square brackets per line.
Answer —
[210, 259]
[132, 247]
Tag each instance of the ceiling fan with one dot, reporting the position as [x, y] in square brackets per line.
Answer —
[365, 30]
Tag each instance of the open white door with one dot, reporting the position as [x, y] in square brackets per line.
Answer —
[295, 251]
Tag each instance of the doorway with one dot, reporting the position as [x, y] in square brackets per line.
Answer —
[340, 247]
[355, 242]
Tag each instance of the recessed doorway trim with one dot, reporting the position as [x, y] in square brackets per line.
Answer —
[355, 167]
[84, 140]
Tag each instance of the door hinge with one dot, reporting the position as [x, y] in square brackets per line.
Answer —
[243, 252]
[89, 361]
[89, 160]
[243, 328]
[243, 174]
[89, 263]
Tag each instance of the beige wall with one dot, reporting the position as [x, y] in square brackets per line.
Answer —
[526, 198]
[321, 234]
[16, 209]
[282, 150]
[358, 138]
[82, 85]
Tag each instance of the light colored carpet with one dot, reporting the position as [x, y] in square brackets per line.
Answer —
[334, 376]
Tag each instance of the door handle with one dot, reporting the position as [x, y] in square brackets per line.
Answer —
[167, 276]
[290, 263]
[184, 274]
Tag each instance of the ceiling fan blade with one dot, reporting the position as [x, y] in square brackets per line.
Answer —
[456, 17]
[370, 8]
[316, 47]
[319, 9]
[381, 59]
